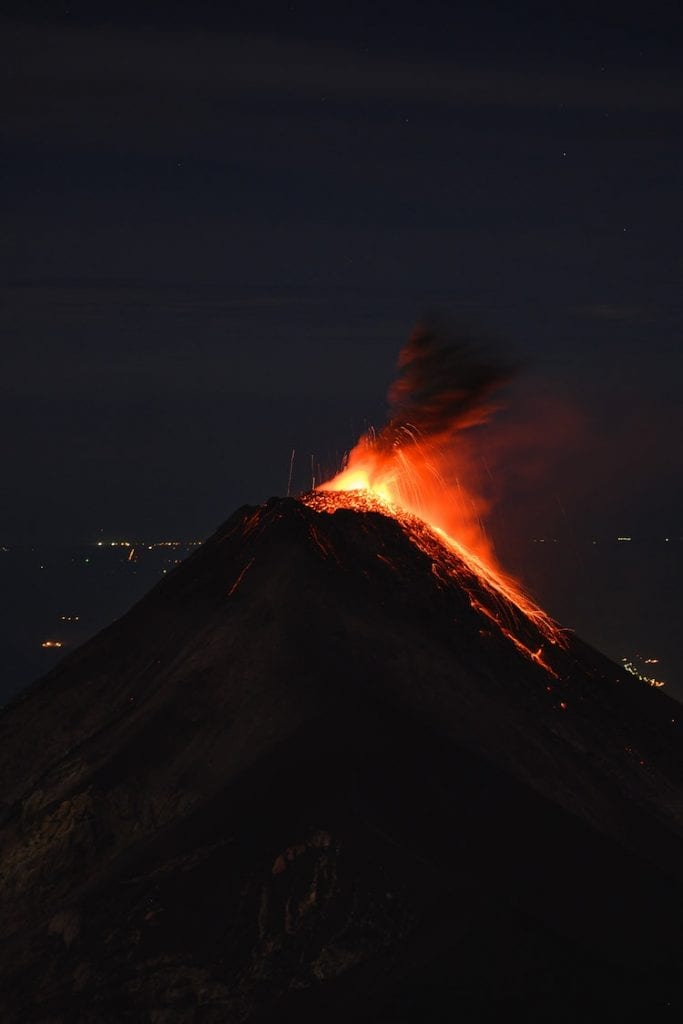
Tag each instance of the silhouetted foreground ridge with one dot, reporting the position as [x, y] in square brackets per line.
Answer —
[310, 776]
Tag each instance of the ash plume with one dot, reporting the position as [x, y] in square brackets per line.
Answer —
[446, 382]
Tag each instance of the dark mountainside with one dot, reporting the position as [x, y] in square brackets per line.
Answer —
[307, 778]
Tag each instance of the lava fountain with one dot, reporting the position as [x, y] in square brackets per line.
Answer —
[420, 460]
[421, 468]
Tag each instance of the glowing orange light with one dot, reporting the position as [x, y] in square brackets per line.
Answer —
[478, 558]
[491, 593]
[427, 473]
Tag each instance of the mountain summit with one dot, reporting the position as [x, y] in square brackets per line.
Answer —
[326, 770]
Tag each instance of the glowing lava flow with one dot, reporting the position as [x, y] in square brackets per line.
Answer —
[491, 593]
[420, 469]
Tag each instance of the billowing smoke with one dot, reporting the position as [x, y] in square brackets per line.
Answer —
[446, 382]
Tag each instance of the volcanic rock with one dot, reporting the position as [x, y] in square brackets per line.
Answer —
[318, 772]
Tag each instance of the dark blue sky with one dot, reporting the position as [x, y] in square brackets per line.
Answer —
[220, 226]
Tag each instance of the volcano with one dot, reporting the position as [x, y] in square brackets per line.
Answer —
[325, 770]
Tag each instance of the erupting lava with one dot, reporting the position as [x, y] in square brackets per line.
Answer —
[419, 469]
[420, 460]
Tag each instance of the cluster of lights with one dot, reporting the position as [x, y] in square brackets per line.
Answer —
[634, 671]
[131, 547]
[150, 547]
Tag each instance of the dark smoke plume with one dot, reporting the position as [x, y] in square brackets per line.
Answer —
[446, 382]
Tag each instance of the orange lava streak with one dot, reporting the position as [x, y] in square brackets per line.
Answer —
[423, 469]
[503, 603]
[421, 477]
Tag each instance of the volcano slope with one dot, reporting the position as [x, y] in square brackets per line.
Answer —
[309, 776]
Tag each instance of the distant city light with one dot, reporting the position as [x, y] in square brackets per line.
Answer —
[150, 547]
[52, 643]
[633, 670]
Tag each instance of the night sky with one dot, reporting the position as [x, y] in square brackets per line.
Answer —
[222, 221]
